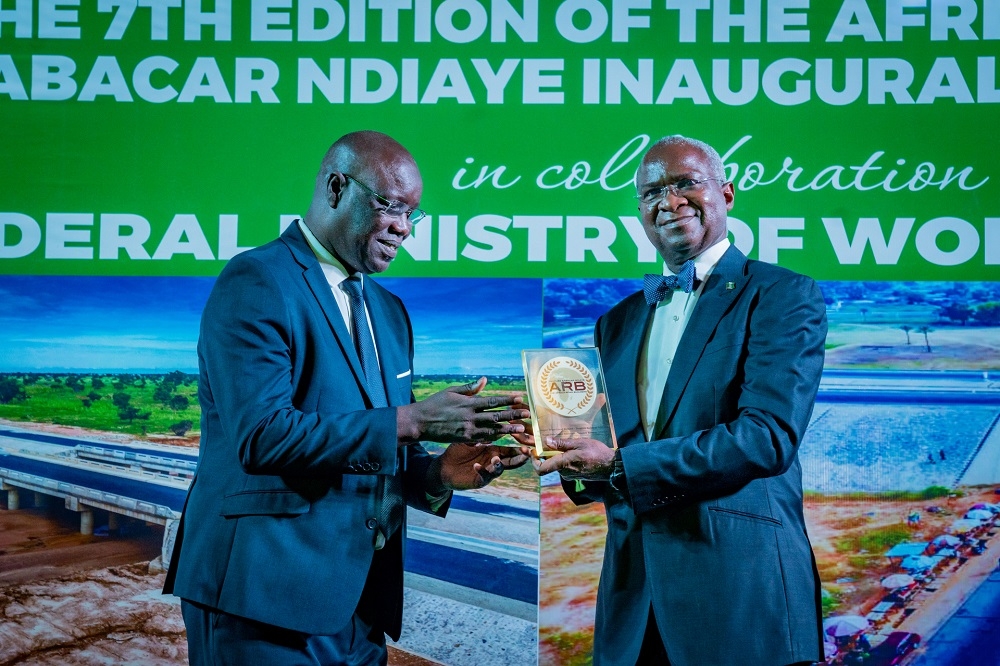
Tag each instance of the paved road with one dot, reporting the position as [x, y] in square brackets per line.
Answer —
[909, 387]
[867, 386]
[65, 443]
[498, 576]
[972, 635]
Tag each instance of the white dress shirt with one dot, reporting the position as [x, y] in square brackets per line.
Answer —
[664, 335]
[335, 274]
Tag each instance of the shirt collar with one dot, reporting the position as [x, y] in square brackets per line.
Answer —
[706, 261]
[332, 268]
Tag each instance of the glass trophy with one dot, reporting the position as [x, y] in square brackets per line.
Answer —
[567, 395]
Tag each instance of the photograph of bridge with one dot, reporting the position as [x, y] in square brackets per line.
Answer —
[99, 429]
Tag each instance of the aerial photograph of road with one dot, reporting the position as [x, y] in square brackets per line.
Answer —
[901, 469]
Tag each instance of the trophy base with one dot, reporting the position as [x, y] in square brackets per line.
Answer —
[547, 454]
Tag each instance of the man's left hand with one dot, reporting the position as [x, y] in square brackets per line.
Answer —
[581, 458]
[466, 466]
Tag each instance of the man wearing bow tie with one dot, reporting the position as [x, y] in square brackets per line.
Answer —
[711, 372]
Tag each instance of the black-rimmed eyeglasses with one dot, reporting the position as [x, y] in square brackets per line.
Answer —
[391, 207]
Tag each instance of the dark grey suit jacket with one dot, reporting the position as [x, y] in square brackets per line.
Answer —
[714, 537]
[279, 522]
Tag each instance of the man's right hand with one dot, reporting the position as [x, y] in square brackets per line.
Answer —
[458, 414]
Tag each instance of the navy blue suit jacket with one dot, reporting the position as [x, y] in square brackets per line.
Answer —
[714, 536]
[279, 522]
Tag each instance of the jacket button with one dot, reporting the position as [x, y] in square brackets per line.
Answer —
[371, 523]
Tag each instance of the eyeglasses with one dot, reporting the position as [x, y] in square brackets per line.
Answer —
[681, 188]
[391, 207]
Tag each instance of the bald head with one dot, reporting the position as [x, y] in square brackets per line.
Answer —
[712, 157]
[354, 152]
[345, 217]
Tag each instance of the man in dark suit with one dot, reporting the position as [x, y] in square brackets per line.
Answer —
[711, 374]
[290, 549]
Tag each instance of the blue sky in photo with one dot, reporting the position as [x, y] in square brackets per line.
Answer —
[150, 324]
[113, 324]
[471, 325]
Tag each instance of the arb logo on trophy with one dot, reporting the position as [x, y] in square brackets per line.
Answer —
[566, 386]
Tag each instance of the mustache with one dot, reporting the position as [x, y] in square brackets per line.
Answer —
[673, 220]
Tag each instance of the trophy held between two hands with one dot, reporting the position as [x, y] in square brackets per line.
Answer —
[567, 396]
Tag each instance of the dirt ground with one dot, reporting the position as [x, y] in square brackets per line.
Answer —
[840, 528]
[883, 345]
[37, 544]
[571, 550]
[66, 598]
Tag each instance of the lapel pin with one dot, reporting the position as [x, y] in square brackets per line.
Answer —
[730, 285]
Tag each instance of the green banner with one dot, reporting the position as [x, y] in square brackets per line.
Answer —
[161, 137]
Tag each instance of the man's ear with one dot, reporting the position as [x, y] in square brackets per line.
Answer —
[335, 188]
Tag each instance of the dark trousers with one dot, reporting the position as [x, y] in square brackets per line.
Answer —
[652, 652]
[220, 639]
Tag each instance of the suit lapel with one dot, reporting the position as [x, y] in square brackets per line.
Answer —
[320, 288]
[725, 284]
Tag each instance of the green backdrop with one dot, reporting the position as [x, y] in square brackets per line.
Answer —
[859, 134]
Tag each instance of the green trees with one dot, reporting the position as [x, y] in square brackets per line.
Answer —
[11, 390]
[89, 400]
[987, 314]
[956, 312]
[179, 402]
[162, 393]
[181, 427]
[126, 410]
[925, 330]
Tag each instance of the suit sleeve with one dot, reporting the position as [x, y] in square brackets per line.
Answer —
[416, 456]
[777, 379]
[245, 349]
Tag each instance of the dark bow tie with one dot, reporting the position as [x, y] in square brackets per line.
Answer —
[656, 287]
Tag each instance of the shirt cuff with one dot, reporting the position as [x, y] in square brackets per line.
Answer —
[437, 501]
